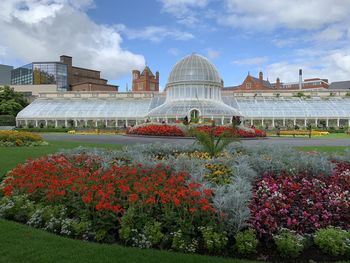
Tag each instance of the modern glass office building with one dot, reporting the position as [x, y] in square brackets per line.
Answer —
[37, 73]
[193, 90]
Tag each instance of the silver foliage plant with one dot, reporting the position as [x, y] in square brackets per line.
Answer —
[246, 164]
[232, 202]
[281, 158]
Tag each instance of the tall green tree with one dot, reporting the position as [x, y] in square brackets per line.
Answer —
[11, 102]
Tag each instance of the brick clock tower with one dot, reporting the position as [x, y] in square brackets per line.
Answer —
[145, 81]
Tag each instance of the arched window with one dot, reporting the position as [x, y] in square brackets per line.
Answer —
[194, 115]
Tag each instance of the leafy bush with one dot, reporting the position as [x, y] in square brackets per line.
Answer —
[289, 244]
[11, 102]
[17, 208]
[43, 129]
[246, 242]
[153, 232]
[213, 241]
[182, 242]
[333, 241]
[7, 120]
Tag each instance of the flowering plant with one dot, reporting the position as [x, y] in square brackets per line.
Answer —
[242, 133]
[15, 138]
[301, 202]
[83, 186]
[156, 130]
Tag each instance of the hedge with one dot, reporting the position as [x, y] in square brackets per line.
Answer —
[7, 120]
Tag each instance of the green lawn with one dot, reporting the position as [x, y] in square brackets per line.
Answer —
[20, 243]
[334, 136]
[326, 149]
[11, 156]
[328, 136]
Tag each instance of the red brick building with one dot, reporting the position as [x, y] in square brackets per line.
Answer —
[251, 83]
[145, 81]
[83, 79]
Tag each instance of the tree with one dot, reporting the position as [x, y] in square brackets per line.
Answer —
[10, 107]
[11, 102]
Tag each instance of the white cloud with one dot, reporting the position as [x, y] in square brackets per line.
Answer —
[328, 34]
[155, 33]
[251, 61]
[285, 42]
[271, 14]
[213, 54]
[333, 65]
[44, 29]
[184, 10]
[174, 51]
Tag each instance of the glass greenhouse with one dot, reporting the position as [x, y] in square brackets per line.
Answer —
[193, 90]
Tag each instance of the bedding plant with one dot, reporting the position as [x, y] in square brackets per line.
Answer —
[273, 203]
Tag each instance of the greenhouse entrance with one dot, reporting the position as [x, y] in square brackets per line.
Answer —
[194, 115]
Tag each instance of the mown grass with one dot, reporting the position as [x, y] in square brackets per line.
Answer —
[327, 136]
[326, 149]
[20, 243]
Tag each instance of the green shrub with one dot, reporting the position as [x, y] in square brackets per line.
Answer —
[246, 242]
[17, 208]
[48, 129]
[213, 241]
[126, 225]
[81, 228]
[289, 243]
[183, 243]
[152, 230]
[333, 241]
[7, 120]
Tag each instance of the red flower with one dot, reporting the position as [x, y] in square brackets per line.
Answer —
[176, 201]
[208, 192]
[87, 198]
[133, 197]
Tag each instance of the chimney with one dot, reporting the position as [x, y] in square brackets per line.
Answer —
[261, 76]
[278, 83]
[157, 75]
[300, 79]
[66, 60]
[135, 74]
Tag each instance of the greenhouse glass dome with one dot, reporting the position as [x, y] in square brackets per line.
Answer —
[194, 90]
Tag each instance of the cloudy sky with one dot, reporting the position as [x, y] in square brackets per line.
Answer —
[275, 36]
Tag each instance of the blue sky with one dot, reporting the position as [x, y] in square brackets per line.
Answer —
[276, 36]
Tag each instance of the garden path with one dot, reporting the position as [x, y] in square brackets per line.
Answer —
[120, 139]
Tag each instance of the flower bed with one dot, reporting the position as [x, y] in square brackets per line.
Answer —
[302, 203]
[175, 130]
[303, 132]
[156, 130]
[242, 133]
[15, 138]
[246, 201]
[132, 204]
